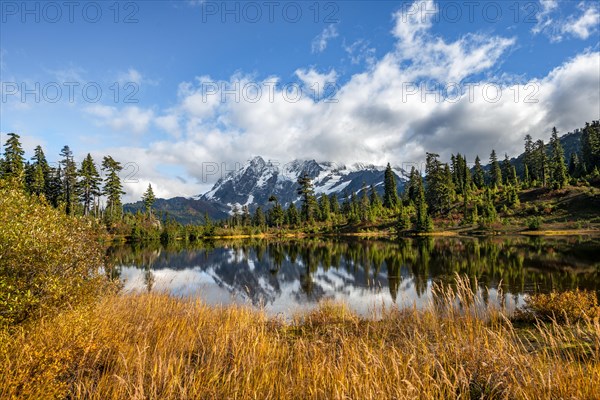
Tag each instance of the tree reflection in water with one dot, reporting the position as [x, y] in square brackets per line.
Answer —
[312, 269]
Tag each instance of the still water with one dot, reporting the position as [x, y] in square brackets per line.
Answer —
[288, 276]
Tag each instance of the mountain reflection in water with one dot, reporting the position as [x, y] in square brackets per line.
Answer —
[293, 275]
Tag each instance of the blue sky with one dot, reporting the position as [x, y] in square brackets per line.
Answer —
[158, 64]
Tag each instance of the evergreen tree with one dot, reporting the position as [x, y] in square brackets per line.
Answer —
[414, 181]
[374, 199]
[439, 190]
[540, 162]
[113, 189]
[324, 208]
[423, 222]
[69, 183]
[479, 174]
[495, 172]
[590, 145]
[292, 215]
[276, 215]
[559, 169]
[41, 174]
[148, 199]
[307, 193]
[54, 191]
[574, 165]
[89, 183]
[259, 217]
[390, 190]
[528, 159]
[334, 204]
[506, 170]
[13, 168]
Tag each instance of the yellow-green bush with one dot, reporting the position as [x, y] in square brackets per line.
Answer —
[571, 306]
[47, 259]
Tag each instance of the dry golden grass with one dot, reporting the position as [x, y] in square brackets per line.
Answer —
[152, 346]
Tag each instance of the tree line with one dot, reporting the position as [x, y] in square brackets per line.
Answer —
[441, 191]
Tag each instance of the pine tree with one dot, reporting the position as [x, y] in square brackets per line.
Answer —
[506, 170]
[276, 215]
[13, 168]
[374, 199]
[42, 172]
[439, 191]
[292, 215]
[541, 162]
[390, 190]
[259, 217]
[479, 174]
[424, 223]
[414, 181]
[324, 208]
[495, 172]
[148, 199]
[113, 189]
[306, 191]
[559, 169]
[590, 145]
[574, 165]
[88, 185]
[528, 159]
[334, 204]
[69, 180]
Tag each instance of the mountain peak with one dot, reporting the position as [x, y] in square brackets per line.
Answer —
[257, 180]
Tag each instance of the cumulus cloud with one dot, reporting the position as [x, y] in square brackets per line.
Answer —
[319, 43]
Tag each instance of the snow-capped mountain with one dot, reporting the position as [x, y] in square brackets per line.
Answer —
[257, 180]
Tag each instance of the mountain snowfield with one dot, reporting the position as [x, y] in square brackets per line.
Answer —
[257, 180]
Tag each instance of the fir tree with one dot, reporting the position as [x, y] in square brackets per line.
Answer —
[292, 215]
[590, 145]
[69, 183]
[13, 168]
[259, 217]
[559, 169]
[495, 172]
[479, 174]
[89, 183]
[506, 170]
[306, 191]
[276, 215]
[390, 190]
[324, 208]
[148, 199]
[113, 189]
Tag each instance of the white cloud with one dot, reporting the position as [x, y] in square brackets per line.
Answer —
[359, 51]
[319, 43]
[317, 84]
[131, 119]
[585, 25]
[580, 26]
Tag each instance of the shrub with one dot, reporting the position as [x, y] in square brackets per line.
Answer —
[47, 259]
[534, 223]
[569, 306]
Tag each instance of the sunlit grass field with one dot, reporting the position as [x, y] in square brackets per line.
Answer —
[152, 346]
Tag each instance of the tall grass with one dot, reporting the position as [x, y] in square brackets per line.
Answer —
[153, 346]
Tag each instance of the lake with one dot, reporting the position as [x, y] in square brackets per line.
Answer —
[292, 275]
